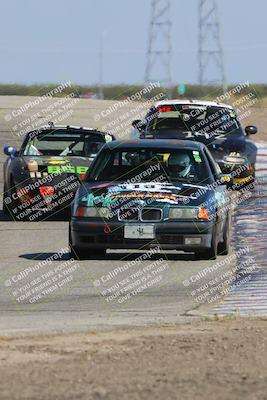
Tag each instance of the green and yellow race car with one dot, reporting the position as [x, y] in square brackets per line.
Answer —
[42, 177]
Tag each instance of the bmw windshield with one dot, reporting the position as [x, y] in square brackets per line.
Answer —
[64, 143]
[146, 165]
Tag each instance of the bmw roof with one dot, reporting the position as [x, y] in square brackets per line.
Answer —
[152, 144]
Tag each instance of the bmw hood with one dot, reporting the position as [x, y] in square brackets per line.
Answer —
[146, 193]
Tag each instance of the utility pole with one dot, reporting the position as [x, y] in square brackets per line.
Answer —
[101, 59]
[159, 52]
[210, 51]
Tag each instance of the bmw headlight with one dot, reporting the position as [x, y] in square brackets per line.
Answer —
[183, 213]
[93, 212]
[104, 212]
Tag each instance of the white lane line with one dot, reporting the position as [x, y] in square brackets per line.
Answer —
[250, 298]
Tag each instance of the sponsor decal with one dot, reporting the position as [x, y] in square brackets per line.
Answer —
[243, 180]
[58, 162]
[92, 200]
[67, 169]
[145, 195]
[144, 191]
[197, 156]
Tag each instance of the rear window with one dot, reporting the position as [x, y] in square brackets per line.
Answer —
[201, 120]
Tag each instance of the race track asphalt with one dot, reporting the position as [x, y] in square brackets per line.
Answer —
[74, 295]
[81, 303]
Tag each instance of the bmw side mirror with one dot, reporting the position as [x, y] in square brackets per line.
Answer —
[138, 124]
[10, 151]
[251, 130]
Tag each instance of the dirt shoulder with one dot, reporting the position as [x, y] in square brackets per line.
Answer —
[216, 359]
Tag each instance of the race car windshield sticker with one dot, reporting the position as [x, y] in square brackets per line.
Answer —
[158, 192]
[194, 107]
[197, 156]
[144, 187]
[169, 114]
[51, 169]
[58, 162]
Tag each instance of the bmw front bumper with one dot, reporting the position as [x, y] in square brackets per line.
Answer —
[186, 236]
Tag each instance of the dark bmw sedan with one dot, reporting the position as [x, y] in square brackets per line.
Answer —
[142, 194]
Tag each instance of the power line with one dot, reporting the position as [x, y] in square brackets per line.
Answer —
[159, 51]
[210, 52]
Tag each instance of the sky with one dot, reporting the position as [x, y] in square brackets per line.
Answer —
[45, 41]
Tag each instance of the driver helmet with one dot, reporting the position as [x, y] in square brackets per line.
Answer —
[133, 159]
[179, 164]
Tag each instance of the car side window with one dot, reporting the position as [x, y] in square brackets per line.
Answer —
[215, 168]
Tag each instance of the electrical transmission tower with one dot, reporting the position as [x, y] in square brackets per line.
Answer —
[211, 62]
[158, 67]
